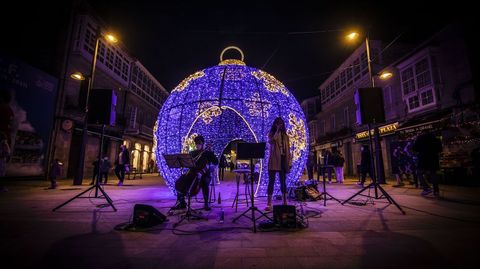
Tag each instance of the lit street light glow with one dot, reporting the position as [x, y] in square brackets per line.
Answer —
[352, 36]
[77, 76]
[111, 38]
[385, 75]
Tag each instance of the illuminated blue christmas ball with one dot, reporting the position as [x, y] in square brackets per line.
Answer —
[227, 102]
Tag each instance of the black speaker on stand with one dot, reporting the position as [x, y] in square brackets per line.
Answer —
[370, 110]
[102, 105]
[101, 111]
[369, 103]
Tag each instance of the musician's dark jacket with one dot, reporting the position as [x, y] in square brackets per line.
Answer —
[207, 157]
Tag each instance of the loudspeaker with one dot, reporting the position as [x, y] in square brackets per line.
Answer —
[146, 216]
[369, 103]
[102, 105]
[285, 216]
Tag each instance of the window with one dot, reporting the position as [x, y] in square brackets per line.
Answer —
[89, 41]
[422, 72]
[110, 57]
[356, 68]
[101, 53]
[427, 97]
[408, 84]
[342, 78]
[118, 64]
[132, 122]
[364, 62]
[413, 102]
[417, 85]
[349, 75]
[124, 70]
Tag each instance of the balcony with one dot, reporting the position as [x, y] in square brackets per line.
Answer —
[143, 130]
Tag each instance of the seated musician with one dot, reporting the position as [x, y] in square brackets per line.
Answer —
[203, 158]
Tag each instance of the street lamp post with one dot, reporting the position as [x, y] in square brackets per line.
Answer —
[379, 169]
[78, 76]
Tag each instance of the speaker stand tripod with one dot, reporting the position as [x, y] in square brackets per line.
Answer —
[374, 183]
[252, 208]
[97, 185]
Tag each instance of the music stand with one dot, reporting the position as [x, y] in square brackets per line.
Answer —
[183, 160]
[95, 186]
[251, 151]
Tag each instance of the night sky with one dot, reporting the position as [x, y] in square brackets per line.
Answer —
[173, 39]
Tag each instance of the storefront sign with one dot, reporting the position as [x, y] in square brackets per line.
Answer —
[430, 126]
[383, 130]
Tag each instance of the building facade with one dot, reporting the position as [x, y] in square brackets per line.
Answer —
[311, 107]
[139, 99]
[144, 97]
[435, 88]
[431, 84]
[337, 122]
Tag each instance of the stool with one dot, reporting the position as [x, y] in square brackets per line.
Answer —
[238, 174]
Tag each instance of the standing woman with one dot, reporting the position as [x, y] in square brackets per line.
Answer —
[279, 160]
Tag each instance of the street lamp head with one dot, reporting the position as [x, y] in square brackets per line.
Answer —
[385, 75]
[352, 36]
[111, 38]
[77, 76]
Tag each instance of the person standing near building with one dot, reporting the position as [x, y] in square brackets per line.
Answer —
[55, 172]
[151, 166]
[279, 160]
[428, 148]
[338, 162]
[398, 165]
[105, 166]
[96, 171]
[327, 165]
[365, 164]
[412, 161]
[121, 164]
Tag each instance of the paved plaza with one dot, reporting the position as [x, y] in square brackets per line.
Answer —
[370, 233]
